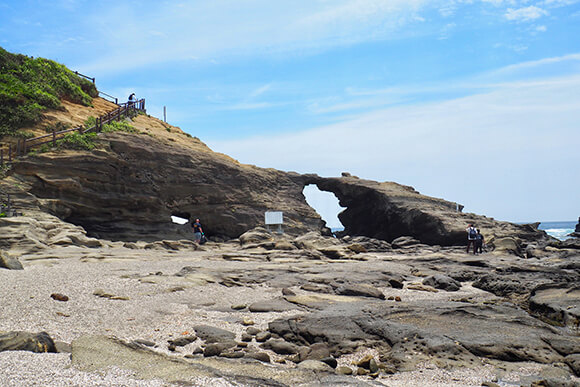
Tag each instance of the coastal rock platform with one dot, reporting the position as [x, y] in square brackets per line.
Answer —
[250, 314]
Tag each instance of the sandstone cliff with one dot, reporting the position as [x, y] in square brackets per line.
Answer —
[131, 185]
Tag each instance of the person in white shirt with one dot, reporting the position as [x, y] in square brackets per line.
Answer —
[471, 237]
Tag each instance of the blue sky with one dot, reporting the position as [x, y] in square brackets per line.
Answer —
[474, 101]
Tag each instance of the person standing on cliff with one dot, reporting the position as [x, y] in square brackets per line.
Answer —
[471, 237]
[479, 243]
[197, 231]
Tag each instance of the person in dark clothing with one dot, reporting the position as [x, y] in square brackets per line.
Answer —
[471, 237]
[197, 231]
[479, 240]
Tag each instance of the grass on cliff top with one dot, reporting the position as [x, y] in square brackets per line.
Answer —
[86, 141]
[29, 86]
[113, 126]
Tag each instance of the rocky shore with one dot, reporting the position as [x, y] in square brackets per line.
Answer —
[270, 309]
[99, 288]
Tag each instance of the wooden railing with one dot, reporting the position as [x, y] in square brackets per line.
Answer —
[5, 204]
[108, 97]
[24, 145]
[85, 76]
[6, 154]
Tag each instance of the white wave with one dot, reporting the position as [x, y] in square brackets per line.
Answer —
[559, 233]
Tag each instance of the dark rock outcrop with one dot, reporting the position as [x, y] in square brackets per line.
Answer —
[213, 335]
[440, 281]
[576, 233]
[499, 332]
[558, 303]
[26, 341]
[389, 210]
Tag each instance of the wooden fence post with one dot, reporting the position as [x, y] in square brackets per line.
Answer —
[10, 153]
[53, 137]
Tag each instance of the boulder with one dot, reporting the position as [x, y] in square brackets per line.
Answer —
[368, 244]
[26, 341]
[182, 341]
[559, 303]
[505, 245]
[315, 365]
[9, 262]
[281, 347]
[574, 362]
[404, 242]
[335, 252]
[317, 351]
[315, 241]
[359, 290]
[215, 349]
[261, 356]
[256, 236]
[440, 281]
[274, 305]
[211, 334]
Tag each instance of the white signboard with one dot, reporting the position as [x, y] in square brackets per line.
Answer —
[274, 217]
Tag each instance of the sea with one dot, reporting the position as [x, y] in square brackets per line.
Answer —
[559, 230]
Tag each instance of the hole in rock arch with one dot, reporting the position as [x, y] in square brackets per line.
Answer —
[180, 217]
[325, 204]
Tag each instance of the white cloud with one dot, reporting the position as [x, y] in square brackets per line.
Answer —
[249, 106]
[446, 31]
[545, 62]
[159, 33]
[260, 90]
[522, 136]
[525, 14]
[559, 3]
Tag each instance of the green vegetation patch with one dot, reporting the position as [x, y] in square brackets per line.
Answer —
[28, 86]
[119, 126]
[78, 141]
[113, 126]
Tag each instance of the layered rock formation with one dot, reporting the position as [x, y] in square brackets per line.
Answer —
[390, 210]
[129, 188]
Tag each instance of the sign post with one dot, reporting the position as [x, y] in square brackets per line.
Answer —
[274, 218]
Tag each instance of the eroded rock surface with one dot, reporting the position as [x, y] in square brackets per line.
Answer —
[248, 314]
[130, 187]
